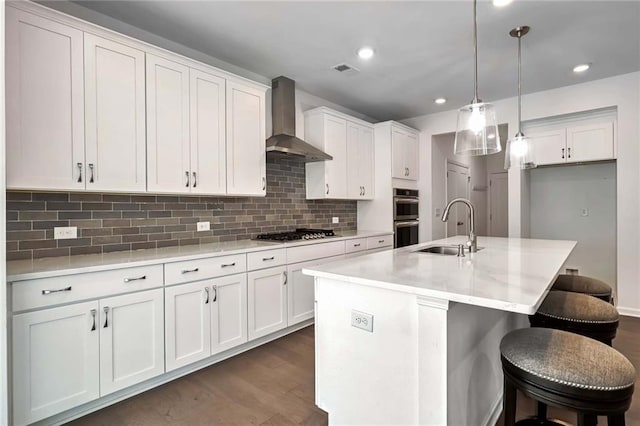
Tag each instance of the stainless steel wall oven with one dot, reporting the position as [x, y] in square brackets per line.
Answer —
[405, 217]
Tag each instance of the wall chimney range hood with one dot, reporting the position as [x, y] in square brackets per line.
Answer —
[283, 112]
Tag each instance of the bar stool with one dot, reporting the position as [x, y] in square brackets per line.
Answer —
[577, 313]
[585, 285]
[564, 369]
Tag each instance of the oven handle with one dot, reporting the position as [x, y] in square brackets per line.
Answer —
[399, 200]
[406, 224]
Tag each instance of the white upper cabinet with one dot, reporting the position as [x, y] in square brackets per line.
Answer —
[208, 148]
[45, 102]
[574, 143]
[114, 116]
[349, 175]
[167, 126]
[404, 152]
[246, 139]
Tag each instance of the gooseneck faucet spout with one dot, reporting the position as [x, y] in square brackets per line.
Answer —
[472, 243]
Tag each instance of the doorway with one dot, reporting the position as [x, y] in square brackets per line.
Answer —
[499, 204]
[458, 186]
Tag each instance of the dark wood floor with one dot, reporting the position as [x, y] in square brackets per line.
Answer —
[274, 385]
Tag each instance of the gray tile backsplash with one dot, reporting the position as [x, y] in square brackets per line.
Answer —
[117, 222]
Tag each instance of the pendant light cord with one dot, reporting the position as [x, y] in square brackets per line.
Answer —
[519, 83]
[475, 52]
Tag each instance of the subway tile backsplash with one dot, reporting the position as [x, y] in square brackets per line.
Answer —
[118, 222]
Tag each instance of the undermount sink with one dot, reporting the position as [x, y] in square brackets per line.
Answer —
[446, 250]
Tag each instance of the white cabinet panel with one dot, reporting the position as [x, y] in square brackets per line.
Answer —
[300, 290]
[404, 147]
[228, 312]
[115, 116]
[131, 339]
[360, 162]
[267, 301]
[187, 323]
[167, 126]
[336, 146]
[590, 142]
[208, 153]
[411, 156]
[45, 100]
[549, 147]
[55, 360]
[246, 155]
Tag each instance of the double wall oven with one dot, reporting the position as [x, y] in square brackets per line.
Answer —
[405, 217]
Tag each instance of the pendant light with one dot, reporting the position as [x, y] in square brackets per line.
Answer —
[519, 152]
[477, 129]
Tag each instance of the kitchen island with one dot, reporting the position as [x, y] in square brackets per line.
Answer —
[432, 355]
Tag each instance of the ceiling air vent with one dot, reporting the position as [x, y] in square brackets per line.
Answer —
[345, 68]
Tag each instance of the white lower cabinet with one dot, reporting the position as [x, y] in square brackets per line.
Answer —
[55, 361]
[131, 339]
[204, 318]
[267, 301]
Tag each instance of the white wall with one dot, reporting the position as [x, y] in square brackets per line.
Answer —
[558, 197]
[622, 91]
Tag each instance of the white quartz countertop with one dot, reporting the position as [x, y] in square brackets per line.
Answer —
[20, 270]
[509, 274]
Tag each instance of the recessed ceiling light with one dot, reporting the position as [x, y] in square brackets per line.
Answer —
[365, 52]
[440, 101]
[581, 68]
[501, 3]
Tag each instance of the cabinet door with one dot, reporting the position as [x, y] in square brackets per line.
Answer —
[187, 323]
[549, 147]
[267, 300]
[300, 299]
[45, 99]
[354, 182]
[411, 155]
[208, 154]
[228, 312]
[590, 143]
[55, 361]
[399, 165]
[366, 162]
[114, 116]
[246, 156]
[131, 339]
[168, 167]
[335, 137]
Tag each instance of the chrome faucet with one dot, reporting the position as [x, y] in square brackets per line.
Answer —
[472, 243]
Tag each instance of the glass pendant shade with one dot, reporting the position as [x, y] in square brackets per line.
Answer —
[477, 130]
[519, 153]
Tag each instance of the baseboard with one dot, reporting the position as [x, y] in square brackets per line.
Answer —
[494, 414]
[630, 312]
[123, 394]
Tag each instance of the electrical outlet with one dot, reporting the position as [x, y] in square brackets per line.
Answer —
[335, 219]
[362, 320]
[203, 226]
[65, 232]
[584, 212]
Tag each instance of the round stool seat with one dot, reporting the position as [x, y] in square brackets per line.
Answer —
[584, 285]
[578, 313]
[567, 369]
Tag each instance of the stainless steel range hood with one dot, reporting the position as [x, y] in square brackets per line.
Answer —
[283, 111]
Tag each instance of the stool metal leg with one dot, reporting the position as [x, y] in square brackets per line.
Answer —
[616, 420]
[541, 410]
[509, 403]
[587, 419]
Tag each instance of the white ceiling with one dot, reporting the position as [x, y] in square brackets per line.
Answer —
[423, 49]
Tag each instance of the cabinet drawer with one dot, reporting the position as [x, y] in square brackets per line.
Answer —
[266, 259]
[378, 242]
[43, 292]
[356, 245]
[314, 251]
[202, 269]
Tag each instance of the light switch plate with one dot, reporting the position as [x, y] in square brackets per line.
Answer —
[203, 226]
[362, 320]
[65, 232]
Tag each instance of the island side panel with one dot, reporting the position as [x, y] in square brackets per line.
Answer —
[473, 358]
[363, 377]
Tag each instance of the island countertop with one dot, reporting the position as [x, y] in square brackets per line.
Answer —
[509, 274]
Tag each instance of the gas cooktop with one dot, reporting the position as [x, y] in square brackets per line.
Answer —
[298, 234]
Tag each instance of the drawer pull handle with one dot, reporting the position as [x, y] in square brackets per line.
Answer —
[187, 181]
[206, 289]
[380, 241]
[106, 317]
[128, 280]
[357, 245]
[91, 169]
[195, 182]
[186, 271]
[215, 293]
[264, 259]
[226, 265]
[93, 314]
[79, 172]
[56, 291]
[285, 278]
